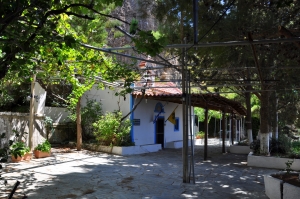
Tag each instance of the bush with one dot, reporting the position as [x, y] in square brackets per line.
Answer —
[280, 146]
[296, 147]
[200, 135]
[255, 127]
[89, 115]
[44, 147]
[110, 130]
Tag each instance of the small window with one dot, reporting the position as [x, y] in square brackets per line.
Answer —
[176, 125]
[136, 122]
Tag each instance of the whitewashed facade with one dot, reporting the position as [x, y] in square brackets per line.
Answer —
[144, 129]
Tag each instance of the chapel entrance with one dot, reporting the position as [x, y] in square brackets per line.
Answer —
[160, 133]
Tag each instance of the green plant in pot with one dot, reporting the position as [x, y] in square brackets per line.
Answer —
[200, 135]
[42, 150]
[18, 150]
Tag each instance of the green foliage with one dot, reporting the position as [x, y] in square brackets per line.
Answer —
[133, 26]
[90, 113]
[44, 147]
[200, 135]
[255, 126]
[19, 149]
[296, 147]
[255, 146]
[288, 166]
[149, 42]
[200, 112]
[49, 124]
[111, 131]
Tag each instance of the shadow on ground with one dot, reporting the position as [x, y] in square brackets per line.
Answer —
[155, 175]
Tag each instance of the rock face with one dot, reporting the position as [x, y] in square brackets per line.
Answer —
[133, 9]
[142, 12]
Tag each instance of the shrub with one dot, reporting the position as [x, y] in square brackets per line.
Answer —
[280, 146]
[89, 115]
[255, 127]
[296, 147]
[44, 147]
[200, 135]
[19, 149]
[110, 130]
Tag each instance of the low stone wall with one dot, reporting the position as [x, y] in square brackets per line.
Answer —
[272, 162]
[10, 121]
[239, 149]
[61, 133]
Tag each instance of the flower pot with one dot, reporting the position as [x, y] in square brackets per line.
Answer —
[27, 156]
[41, 154]
[18, 159]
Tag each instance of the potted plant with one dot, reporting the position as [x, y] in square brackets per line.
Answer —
[283, 185]
[42, 150]
[200, 135]
[18, 150]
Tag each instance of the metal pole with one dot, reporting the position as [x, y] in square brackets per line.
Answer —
[195, 20]
[224, 132]
[205, 133]
[214, 44]
[191, 123]
[185, 141]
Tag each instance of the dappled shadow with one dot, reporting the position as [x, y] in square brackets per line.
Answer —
[155, 175]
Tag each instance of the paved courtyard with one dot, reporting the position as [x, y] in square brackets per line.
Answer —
[95, 175]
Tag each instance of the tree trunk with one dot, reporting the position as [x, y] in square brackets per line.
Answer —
[249, 117]
[275, 117]
[79, 128]
[264, 123]
[31, 113]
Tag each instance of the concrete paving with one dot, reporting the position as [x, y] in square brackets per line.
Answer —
[95, 175]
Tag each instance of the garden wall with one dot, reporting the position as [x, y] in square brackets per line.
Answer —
[57, 114]
[10, 121]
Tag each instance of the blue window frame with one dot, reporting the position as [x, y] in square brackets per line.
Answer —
[176, 125]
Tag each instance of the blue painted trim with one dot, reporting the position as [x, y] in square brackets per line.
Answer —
[131, 118]
[177, 121]
[155, 129]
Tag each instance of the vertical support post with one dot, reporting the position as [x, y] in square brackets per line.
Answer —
[236, 131]
[31, 113]
[215, 130]
[78, 121]
[232, 129]
[221, 130]
[205, 133]
[195, 20]
[191, 124]
[224, 132]
[185, 174]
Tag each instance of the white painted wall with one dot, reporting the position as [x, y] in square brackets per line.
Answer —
[57, 114]
[39, 100]
[108, 100]
[145, 133]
